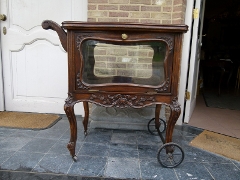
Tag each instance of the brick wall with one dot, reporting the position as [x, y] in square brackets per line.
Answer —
[143, 11]
[115, 60]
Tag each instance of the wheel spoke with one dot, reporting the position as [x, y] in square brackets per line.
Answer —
[173, 158]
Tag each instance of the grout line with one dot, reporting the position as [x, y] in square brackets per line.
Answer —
[209, 172]
[175, 173]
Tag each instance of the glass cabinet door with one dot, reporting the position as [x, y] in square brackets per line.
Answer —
[140, 63]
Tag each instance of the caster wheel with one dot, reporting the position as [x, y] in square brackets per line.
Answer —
[152, 129]
[74, 158]
[170, 155]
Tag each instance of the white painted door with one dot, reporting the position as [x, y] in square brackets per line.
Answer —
[33, 60]
[194, 59]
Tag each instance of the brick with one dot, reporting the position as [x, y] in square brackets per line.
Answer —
[177, 15]
[116, 65]
[125, 72]
[107, 7]
[166, 21]
[145, 60]
[99, 51]
[140, 2]
[108, 19]
[137, 53]
[92, 7]
[139, 15]
[159, 2]
[97, 1]
[118, 1]
[178, 2]
[105, 58]
[97, 14]
[129, 20]
[149, 66]
[105, 72]
[167, 9]
[178, 9]
[150, 54]
[161, 15]
[129, 8]
[127, 59]
[153, 21]
[100, 64]
[168, 2]
[177, 21]
[117, 52]
[111, 59]
[92, 20]
[118, 14]
[137, 66]
[151, 8]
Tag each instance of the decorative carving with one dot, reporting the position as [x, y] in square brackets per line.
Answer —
[80, 38]
[80, 85]
[164, 87]
[69, 101]
[169, 41]
[176, 109]
[122, 101]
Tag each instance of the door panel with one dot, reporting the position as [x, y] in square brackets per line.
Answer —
[194, 60]
[34, 62]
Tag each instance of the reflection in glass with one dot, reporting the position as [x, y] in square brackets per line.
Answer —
[137, 63]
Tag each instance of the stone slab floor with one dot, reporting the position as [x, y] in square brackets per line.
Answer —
[104, 154]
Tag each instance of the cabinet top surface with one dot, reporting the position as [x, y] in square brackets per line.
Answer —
[115, 26]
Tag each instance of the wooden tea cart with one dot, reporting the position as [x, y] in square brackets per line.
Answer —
[123, 65]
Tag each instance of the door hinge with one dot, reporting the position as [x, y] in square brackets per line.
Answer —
[187, 95]
[195, 13]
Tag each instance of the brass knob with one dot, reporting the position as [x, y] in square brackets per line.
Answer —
[3, 17]
[124, 36]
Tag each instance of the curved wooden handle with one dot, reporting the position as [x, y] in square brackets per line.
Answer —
[48, 24]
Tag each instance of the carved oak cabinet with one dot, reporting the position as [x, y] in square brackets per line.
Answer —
[123, 65]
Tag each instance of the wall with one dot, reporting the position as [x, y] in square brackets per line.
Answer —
[143, 11]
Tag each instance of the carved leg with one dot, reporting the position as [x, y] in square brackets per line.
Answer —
[175, 112]
[69, 110]
[157, 122]
[86, 117]
[157, 114]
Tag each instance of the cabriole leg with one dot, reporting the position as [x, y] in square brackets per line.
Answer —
[86, 117]
[157, 122]
[175, 113]
[69, 110]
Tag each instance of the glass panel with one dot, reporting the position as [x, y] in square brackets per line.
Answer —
[137, 62]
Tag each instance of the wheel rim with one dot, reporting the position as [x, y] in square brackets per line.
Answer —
[170, 155]
[152, 129]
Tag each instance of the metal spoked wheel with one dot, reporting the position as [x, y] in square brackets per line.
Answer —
[170, 155]
[152, 129]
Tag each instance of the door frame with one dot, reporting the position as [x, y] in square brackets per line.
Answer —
[186, 50]
[185, 56]
[2, 107]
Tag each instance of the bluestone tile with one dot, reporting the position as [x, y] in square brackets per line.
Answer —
[54, 163]
[123, 168]
[39, 145]
[22, 161]
[151, 169]
[88, 166]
